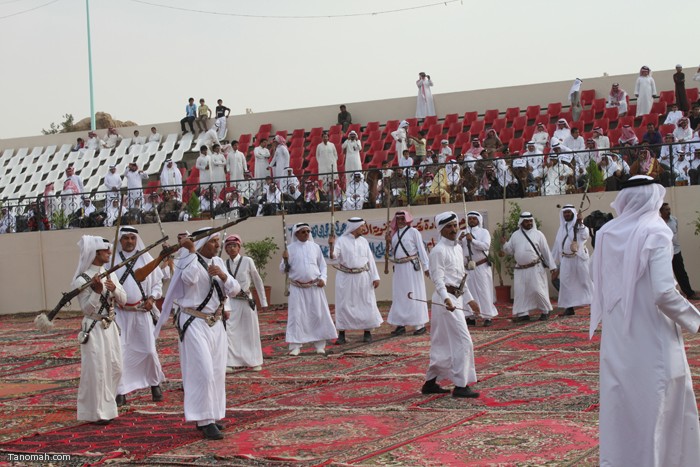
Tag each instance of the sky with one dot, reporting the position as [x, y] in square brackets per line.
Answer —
[147, 59]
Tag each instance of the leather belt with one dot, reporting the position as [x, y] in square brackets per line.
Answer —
[454, 290]
[527, 266]
[481, 261]
[106, 320]
[568, 255]
[406, 259]
[210, 319]
[134, 307]
[304, 285]
[347, 270]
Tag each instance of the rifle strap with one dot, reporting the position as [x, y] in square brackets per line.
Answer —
[104, 304]
[537, 251]
[400, 235]
[130, 272]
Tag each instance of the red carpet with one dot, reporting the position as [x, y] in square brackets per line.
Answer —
[359, 405]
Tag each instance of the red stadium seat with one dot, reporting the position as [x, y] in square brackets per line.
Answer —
[649, 118]
[490, 116]
[640, 132]
[265, 128]
[614, 136]
[611, 113]
[377, 160]
[454, 130]
[498, 124]
[371, 126]
[477, 127]
[298, 133]
[357, 128]
[587, 96]
[450, 119]
[429, 121]
[598, 106]
[151, 187]
[463, 138]
[297, 143]
[528, 132]
[506, 134]
[296, 164]
[516, 144]
[519, 123]
[512, 113]
[373, 136]
[315, 133]
[632, 109]
[282, 133]
[668, 97]
[335, 130]
[603, 123]
[543, 119]
[566, 116]
[554, 109]
[658, 108]
[470, 117]
[435, 131]
[666, 129]
[532, 112]
[412, 122]
[587, 116]
[693, 94]
[391, 125]
[374, 147]
[626, 120]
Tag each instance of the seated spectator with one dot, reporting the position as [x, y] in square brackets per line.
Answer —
[154, 137]
[36, 218]
[79, 144]
[695, 117]
[535, 160]
[356, 193]
[170, 209]
[646, 164]
[470, 183]
[617, 98]
[424, 188]
[628, 137]
[190, 115]
[149, 209]
[112, 212]
[556, 176]
[683, 133]
[602, 142]
[613, 171]
[563, 130]
[454, 178]
[171, 178]
[668, 151]
[312, 196]
[112, 139]
[429, 164]
[673, 115]
[81, 217]
[93, 141]
[209, 200]
[203, 114]
[7, 221]
[445, 152]
[248, 188]
[344, 118]
[575, 141]
[290, 180]
[476, 149]
[270, 201]
[492, 143]
[681, 167]
[522, 174]
[694, 171]
[540, 137]
[653, 138]
[137, 139]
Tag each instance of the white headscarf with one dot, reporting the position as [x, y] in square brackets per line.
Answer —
[623, 245]
[200, 243]
[139, 242]
[564, 226]
[89, 246]
[525, 215]
[476, 214]
[445, 218]
[297, 227]
[403, 124]
[575, 87]
[354, 223]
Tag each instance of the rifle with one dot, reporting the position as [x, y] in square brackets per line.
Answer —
[286, 260]
[141, 273]
[44, 322]
[471, 265]
[574, 244]
[162, 232]
[387, 196]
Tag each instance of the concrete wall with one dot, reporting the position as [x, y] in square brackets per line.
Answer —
[383, 110]
[36, 267]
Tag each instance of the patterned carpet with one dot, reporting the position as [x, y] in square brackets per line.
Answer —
[359, 405]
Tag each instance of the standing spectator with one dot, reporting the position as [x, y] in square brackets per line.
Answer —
[400, 135]
[645, 90]
[425, 107]
[679, 84]
[171, 179]
[134, 185]
[154, 137]
[344, 118]
[72, 188]
[112, 183]
[648, 411]
[575, 99]
[419, 146]
[617, 98]
[236, 164]
[190, 115]
[695, 117]
[222, 113]
[203, 114]
[218, 169]
[203, 164]
[327, 158]
[262, 159]
[351, 149]
[280, 160]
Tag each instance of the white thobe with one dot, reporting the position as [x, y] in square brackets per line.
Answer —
[575, 285]
[171, 179]
[218, 171]
[648, 411]
[327, 158]
[356, 195]
[683, 134]
[602, 142]
[111, 141]
[405, 280]
[247, 188]
[673, 117]
[535, 160]
[451, 347]
[540, 138]
[69, 197]
[210, 138]
[621, 104]
[134, 185]
[243, 328]
[353, 162]
[279, 162]
[680, 169]
[202, 163]
[480, 279]
[561, 134]
[425, 107]
[645, 90]
[7, 224]
[445, 153]
[236, 166]
[288, 181]
[262, 162]
[203, 348]
[92, 143]
[309, 318]
[555, 178]
[575, 144]
[530, 286]
[154, 138]
[355, 301]
[141, 365]
[399, 136]
[112, 184]
[100, 356]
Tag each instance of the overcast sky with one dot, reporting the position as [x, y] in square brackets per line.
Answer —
[148, 60]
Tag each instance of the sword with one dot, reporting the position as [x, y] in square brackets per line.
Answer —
[410, 297]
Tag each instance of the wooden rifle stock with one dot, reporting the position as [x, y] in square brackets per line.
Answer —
[387, 196]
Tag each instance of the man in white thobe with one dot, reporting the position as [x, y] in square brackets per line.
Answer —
[355, 281]
[7, 221]
[410, 266]
[476, 243]
[211, 137]
[535, 159]
[540, 137]
[351, 148]
[451, 347]
[134, 185]
[556, 176]
[425, 106]
[218, 169]
[532, 258]
[112, 183]
[280, 160]
[100, 350]
[203, 164]
[563, 130]
[673, 115]
[236, 164]
[243, 329]
[112, 139]
[400, 136]
[136, 319]
[645, 90]
[200, 286]
[262, 159]
[327, 158]
[356, 193]
[72, 189]
[602, 142]
[290, 180]
[171, 179]
[617, 98]
[570, 254]
[154, 137]
[309, 318]
[648, 411]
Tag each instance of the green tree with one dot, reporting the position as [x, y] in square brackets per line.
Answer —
[66, 126]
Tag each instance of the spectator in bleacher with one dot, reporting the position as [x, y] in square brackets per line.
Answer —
[575, 99]
[221, 114]
[535, 160]
[540, 137]
[190, 115]
[248, 188]
[652, 137]
[356, 193]
[612, 172]
[492, 143]
[454, 178]
[419, 145]
[424, 188]
[506, 177]
[170, 208]
[203, 114]
[79, 145]
[522, 174]
[429, 163]
[679, 86]
[262, 159]
[7, 221]
[72, 188]
[405, 160]
[138, 139]
[668, 151]
[556, 175]
[327, 158]
[93, 141]
[694, 172]
[425, 107]
[601, 141]
[154, 137]
[218, 169]
[150, 208]
[134, 184]
[209, 200]
[617, 98]
[681, 167]
[36, 218]
[400, 135]
[270, 202]
[171, 178]
[351, 149]
[211, 137]
[575, 141]
[694, 117]
[628, 137]
[112, 183]
[683, 133]
[203, 164]
[673, 115]
[445, 152]
[645, 90]
[646, 164]
[112, 212]
[563, 130]
[280, 160]
[312, 196]
[289, 180]
[112, 139]
[236, 164]
[344, 118]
